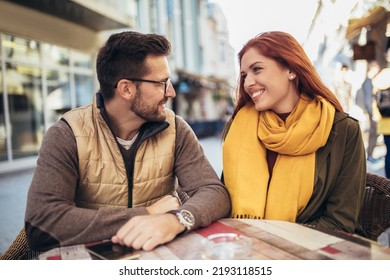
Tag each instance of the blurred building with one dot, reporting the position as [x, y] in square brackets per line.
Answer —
[202, 59]
[47, 62]
[349, 32]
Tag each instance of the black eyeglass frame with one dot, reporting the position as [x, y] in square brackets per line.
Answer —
[165, 83]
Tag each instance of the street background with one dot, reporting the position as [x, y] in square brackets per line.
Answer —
[48, 54]
[14, 188]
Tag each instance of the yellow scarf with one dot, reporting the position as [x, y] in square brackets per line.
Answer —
[296, 140]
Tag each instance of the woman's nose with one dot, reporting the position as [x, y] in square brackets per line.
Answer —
[249, 81]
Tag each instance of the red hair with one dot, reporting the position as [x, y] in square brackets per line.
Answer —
[284, 49]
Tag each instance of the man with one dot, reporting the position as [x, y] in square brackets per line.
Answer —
[343, 89]
[367, 89]
[108, 169]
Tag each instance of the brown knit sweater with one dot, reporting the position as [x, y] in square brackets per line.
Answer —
[52, 219]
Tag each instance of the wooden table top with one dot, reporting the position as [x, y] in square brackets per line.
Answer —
[270, 240]
[273, 240]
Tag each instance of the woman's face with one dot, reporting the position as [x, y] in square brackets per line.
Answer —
[270, 85]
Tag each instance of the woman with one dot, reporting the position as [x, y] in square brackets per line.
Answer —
[290, 152]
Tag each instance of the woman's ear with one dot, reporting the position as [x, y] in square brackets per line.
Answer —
[291, 75]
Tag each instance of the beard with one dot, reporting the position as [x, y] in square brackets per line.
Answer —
[147, 111]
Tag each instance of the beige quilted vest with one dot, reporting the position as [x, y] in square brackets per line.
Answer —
[103, 179]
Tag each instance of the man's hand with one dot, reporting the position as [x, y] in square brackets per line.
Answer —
[165, 204]
[147, 232]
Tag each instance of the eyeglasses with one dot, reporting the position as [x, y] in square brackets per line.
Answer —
[166, 83]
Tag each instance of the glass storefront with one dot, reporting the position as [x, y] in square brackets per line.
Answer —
[25, 108]
[58, 99]
[84, 87]
[38, 83]
[3, 138]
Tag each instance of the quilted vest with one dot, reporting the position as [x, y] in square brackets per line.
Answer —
[103, 180]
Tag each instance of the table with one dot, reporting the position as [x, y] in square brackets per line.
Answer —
[275, 240]
[271, 240]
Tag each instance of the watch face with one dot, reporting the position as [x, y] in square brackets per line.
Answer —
[188, 217]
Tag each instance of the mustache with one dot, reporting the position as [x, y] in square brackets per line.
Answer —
[163, 101]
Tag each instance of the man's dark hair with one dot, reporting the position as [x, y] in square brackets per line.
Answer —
[123, 56]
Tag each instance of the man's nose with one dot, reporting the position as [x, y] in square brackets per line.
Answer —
[170, 91]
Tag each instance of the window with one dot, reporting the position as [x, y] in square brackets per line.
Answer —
[39, 82]
[24, 94]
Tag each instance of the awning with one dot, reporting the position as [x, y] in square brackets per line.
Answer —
[204, 80]
[187, 80]
[374, 17]
[87, 13]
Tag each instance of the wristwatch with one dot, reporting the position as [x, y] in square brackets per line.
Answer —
[185, 217]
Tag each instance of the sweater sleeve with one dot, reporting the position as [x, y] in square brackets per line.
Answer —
[51, 217]
[209, 199]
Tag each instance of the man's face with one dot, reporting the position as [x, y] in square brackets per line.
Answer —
[149, 100]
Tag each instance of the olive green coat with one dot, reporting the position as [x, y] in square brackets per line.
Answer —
[339, 180]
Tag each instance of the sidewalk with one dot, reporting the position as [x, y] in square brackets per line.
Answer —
[14, 188]
[13, 197]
